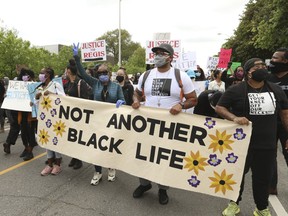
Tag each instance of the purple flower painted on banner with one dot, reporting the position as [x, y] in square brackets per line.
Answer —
[231, 158]
[57, 101]
[210, 123]
[193, 181]
[214, 161]
[239, 135]
[48, 123]
[42, 116]
[53, 112]
[55, 141]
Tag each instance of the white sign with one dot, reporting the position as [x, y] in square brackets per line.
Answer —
[190, 152]
[176, 44]
[17, 96]
[212, 63]
[186, 61]
[93, 51]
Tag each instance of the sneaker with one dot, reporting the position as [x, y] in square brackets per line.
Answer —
[111, 175]
[140, 190]
[6, 148]
[46, 171]
[96, 178]
[56, 169]
[231, 210]
[28, 156]
[264, 212]
[163, 197]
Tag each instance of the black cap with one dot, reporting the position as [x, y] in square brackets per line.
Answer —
[250, 63]
[165, 47]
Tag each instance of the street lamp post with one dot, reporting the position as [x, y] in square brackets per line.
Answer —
[119, 37]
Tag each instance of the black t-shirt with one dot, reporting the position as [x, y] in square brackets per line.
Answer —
[260, 106]
[282, 82]
[71, 89]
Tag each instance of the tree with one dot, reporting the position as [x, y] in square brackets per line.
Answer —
[127, 45]
[262, 29]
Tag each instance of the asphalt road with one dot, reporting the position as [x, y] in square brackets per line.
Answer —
[23, 191]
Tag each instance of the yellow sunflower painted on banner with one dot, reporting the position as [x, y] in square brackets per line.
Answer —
[43, 137]
[46, 103]
[59, 128]
[195, 162]
[222, 182]
[221, 141]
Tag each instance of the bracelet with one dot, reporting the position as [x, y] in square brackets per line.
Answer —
[182, 104]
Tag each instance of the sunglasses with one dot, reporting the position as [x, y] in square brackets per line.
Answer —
[102, 72]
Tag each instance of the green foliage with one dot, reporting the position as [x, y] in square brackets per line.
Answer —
[13, 51]
[263, 28]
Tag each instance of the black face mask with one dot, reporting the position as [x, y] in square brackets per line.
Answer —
[277, 67]
[259, 75]
[119, 78]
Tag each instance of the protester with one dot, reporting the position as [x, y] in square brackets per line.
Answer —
[48, 86]
[28, 125]
[227, 75]
[13, 121]
[258, 101]
[279, 74]
[207, 101]
[127, 87]
[104, 90]
[217, 84]
[238, 75]
[162, 90]
[75, 87]
[2, 111]
[200, 75]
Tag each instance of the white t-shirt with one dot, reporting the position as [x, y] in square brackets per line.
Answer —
[213, 85]
[162, 89]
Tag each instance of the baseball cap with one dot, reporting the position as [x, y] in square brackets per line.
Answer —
[165, 47]
[191, 73]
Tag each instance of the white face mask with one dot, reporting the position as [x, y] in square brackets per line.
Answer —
[160, 61]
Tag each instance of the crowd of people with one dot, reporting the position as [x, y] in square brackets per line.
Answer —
[229, 94]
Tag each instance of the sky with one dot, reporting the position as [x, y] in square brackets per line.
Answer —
[202, 26]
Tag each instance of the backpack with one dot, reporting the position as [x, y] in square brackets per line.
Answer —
[178, 78]
[89, 89]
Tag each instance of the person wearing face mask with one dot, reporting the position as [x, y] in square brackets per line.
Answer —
[75, 87]
[13, 119]
[48, 86]
[258, 101]
[238, 75]
[127, 88]
[279, 75]
[28, 125]
[103, 90]
[161, 90]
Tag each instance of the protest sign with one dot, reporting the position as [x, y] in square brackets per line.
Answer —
[93, 51]
[190, 152]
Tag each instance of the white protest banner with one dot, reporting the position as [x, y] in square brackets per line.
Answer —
[93, 51]
[176, 44]
[190, 152]
[17, 96]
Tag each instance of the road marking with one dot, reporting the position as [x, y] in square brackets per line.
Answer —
[21, 164]
[277, 206]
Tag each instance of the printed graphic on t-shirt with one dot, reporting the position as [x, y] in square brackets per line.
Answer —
[161, 87]
[262, 103]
